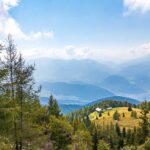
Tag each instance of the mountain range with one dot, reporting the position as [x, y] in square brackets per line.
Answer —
[82, 81]
[67, 108]
[74, 92]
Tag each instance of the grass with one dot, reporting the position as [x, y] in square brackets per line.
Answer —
[127, 121]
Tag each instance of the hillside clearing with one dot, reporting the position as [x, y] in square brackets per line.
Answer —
[126, 121]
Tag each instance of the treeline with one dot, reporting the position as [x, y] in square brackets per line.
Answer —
[27, 125]
[85, 111]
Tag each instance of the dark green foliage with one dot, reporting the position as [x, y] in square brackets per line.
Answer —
[95, 139]
[61, 132]
[123, 115]
[144, 120]
[100, 114]
[118, 129]
[139, 137]
[130, 108]
[121, 143]
[116, 115]
[124, 132]
[53, 108]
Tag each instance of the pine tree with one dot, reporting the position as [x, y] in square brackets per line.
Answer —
[118, 131]
[10, 84]
[144, 123]
[24, 90]
[95, 139]
[123, 115]
[128, 137]
[18, 90]
[130, 108]
[116, 115]
[139, 137]
[120, 143]
[53, 108]
[124, 132]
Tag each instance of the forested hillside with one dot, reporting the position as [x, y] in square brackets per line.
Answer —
[25, 124]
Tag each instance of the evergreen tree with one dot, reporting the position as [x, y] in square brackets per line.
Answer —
[9, 64]
[118, 129]
[139, 137]
[116, 115]
[120, 143]
[128, 137]
[144, 123]
[123, 115]
[53, 108]
[95, 139]
[18, 92]
[60, 131]
[124, 132]
[24, 91]
[130, 108]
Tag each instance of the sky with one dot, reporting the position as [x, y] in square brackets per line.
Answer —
[102, 30]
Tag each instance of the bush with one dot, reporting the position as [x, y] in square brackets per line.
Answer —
[103, 146]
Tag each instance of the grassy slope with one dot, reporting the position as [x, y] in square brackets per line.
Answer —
[127, 121]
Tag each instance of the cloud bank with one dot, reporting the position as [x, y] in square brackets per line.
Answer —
[8, 25]
[138, 6]
[102, 55]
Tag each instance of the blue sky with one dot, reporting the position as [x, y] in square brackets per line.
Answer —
[81, 29]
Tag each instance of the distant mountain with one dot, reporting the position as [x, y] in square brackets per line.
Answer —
[130, 79]
[56, 70]
[116, 98]
[76, 93]
[65, 108]
[138, 71]
[120, 85]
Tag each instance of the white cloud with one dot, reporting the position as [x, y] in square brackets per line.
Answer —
[141, 50]
[141, 6]
[9, 25]
[103, 55]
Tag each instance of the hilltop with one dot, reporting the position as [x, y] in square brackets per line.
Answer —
[126, 121]
[117, 98]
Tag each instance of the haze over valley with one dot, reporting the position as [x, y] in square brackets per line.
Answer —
[83, 81]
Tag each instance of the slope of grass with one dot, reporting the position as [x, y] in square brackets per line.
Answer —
[127, 121]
